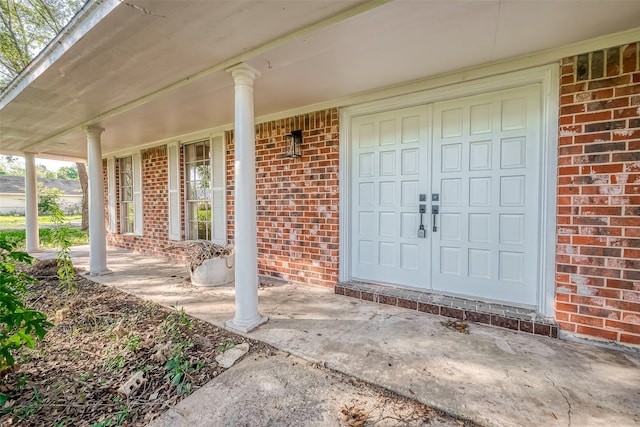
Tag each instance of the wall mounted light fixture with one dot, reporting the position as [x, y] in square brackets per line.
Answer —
[294, 144]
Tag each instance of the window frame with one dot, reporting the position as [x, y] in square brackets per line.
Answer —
[126, 208]
[206, 160]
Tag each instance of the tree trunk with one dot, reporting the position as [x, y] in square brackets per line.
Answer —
[84, 183]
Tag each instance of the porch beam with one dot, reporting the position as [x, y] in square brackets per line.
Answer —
[31, 203]
[97, 238]
[247, 316]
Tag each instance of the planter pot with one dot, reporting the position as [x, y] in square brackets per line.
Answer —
[215, 272]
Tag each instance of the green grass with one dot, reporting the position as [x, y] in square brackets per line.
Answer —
[19, 221]
[76, 236]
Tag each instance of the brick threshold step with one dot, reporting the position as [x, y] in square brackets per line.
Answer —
[499, 315]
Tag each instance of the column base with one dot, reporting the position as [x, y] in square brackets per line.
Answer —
[246, 326]
[103, 272]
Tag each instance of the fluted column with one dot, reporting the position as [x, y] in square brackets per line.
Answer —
[247, 316]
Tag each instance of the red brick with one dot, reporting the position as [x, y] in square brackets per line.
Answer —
[629, 58]
[570, 308]
[566, 326]
[597, 332]
[623, 326]
[593, 117]
[627, 90]
[630, 339]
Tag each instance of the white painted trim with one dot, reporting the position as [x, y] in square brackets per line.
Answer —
[344, 191]
[174, 214]
[219, 186]
[111, 194]
[136, 162]
[547, 77]
[549, 186]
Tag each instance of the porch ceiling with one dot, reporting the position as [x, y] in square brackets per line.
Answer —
[308, 52]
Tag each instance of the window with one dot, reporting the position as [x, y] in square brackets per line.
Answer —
[198, 194]
[127, 210]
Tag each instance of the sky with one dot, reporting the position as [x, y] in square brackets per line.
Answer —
[53, 165]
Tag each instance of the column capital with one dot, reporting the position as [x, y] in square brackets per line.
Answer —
[243, 74]
[94, 131]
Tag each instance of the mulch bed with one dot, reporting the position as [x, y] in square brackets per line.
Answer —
[101, 337]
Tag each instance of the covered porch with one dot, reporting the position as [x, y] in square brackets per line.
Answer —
[491, 376]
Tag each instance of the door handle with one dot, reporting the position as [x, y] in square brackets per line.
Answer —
[422, 233]
[435, 210]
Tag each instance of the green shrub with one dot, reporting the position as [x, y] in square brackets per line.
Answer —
[18, 324]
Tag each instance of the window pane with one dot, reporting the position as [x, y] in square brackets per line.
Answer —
[127, 215]
[130, 218]
[193, 230]
[197, 171]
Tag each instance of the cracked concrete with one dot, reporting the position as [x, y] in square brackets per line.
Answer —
[562, 393]
[492, 376]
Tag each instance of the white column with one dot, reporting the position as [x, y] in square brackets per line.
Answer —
[246, 248]
[97, 238]
[31, 203]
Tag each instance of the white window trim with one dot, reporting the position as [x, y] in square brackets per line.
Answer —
[547, 76]
[218, 162]
[173, 184]
[114, 215]
[111, 194]
[218, 152]
[137, 194]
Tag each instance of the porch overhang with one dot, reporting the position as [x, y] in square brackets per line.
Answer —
[146, 71]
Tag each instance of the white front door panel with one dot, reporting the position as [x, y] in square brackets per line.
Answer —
[389, 172]
[486, 162]
[482, 157]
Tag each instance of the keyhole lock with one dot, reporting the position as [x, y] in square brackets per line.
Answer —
[422, 233]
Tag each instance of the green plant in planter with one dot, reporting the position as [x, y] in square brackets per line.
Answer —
[19, 325]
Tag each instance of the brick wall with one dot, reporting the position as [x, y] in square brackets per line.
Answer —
[297, 199]
[155, 199]
[598, 251]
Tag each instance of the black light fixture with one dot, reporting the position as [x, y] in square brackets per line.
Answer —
[294, 144]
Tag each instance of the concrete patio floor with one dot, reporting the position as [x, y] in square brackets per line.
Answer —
[492, 376]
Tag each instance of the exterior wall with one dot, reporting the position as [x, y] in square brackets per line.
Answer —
[11, 203]
[598, 251]
[155, 199]
[297, 199]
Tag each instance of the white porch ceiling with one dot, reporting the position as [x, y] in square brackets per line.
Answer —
[308, 52]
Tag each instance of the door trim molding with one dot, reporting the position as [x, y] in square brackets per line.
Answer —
[547, 77]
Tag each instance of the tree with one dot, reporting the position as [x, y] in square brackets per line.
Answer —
[11, 166]
[26, 26]
[43, 172]
[84, 183]
[68, 172]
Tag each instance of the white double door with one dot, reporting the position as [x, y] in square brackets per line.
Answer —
[477, 160]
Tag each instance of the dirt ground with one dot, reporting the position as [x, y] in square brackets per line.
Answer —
[112, 359]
